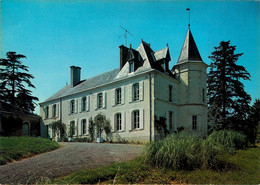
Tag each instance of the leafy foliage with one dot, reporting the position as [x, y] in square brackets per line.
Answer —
[230, 139]
[253, 123]
[13, 81]
[91, 129]
[59, 128]
[228, 102]
[161, 126]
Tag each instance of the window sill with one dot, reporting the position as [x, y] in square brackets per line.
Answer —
[136, 129]
[135, 101]
[100, 108]
[117, 105]
[118, 131]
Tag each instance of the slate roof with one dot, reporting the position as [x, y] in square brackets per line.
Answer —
[189, 50]
[161, 54]
[6, 108]
[86, 84]
[141, 54]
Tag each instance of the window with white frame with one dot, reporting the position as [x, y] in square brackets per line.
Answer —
[136, 91]
[118, 96]
[100, 100]
[83, 104]
[72, 106]
[194, 122]
[54, 109]
[171, 120]
[131, 66]
[136, 119]
[170, 93]
[84, 126]
[118, 121]
[72, 128]
[46, 112]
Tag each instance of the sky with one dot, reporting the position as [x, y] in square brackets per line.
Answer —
[56, 34]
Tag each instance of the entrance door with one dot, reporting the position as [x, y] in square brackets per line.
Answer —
[26, 129]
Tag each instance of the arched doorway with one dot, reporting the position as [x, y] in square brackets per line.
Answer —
[99, 120]
[26, 129]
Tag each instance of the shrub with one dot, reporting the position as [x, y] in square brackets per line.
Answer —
[229, 138]
[182, 151]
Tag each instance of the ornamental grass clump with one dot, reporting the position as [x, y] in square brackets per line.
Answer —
[232, 140]
[182, 151]
[175, 151]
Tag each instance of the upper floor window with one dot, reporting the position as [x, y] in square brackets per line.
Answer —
[131, 66]
[72, 106]
[194, 122]
[83, 103]
[84, 126]
[171, 120]
[46, 112]
[170, 93]
[118, 121]
[118, 96]
[54, 109]
[100, 100]
[136, 91]
[136, 117]
[203, 95]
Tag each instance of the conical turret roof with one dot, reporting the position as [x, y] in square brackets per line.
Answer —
[189, 50]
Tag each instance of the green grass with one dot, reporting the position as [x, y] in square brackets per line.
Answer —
[15, 148]
[242, 168]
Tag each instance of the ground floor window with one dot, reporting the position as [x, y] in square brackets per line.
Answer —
[194, 122]
[118, 121]
[72, 128]
[136, 117]
[171, 120]
[84, 126]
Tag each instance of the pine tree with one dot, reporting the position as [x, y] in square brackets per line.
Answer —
[13, 81]
[253, 123]
[228, 102]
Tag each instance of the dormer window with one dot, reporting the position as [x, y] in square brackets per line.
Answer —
[131, 66]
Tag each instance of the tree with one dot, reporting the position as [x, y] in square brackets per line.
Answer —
[228, 102]
[13, 81]
[253, 122]
[59, 128]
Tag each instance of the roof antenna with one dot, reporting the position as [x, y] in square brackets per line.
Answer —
[188, 9]
[125, 35]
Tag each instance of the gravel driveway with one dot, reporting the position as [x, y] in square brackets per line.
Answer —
[68, 158]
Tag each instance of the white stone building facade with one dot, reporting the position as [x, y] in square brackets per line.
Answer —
[132, 95]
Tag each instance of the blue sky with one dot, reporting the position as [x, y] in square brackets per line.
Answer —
[56, 34]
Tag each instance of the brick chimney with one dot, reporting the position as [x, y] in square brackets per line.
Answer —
[74, 75]
[123, 55]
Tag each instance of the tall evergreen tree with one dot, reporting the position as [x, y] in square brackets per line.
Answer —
[228, 102]
[13, 81]
[253, 123]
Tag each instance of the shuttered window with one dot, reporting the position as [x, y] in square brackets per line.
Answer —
[118, 121]
[84, 126]
[83, 104]
[136, 120]
[54, 109]
[194, 122]
[136, 91]
[118, 96]
[72, 106]
[100, 100]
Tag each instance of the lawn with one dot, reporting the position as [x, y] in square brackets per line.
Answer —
[242, 168]
[15, 148]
